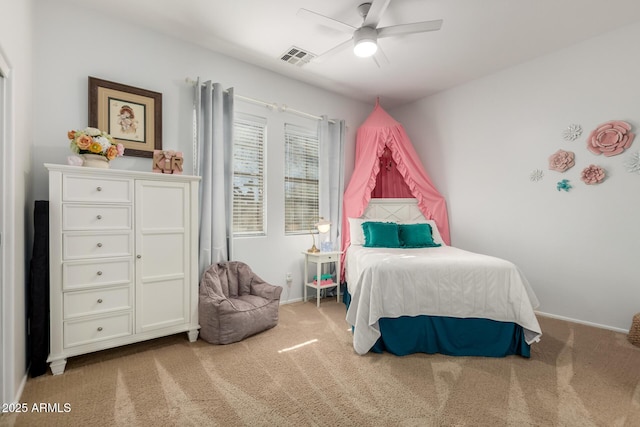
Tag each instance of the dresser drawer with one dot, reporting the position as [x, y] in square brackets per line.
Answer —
[83, 245]
[79, 332]
[97, 273]
[97, 301]
[79, 188]
[96, 217]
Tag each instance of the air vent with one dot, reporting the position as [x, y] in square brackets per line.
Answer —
[297, 56]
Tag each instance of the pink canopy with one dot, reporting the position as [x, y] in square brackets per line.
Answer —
[381, 139]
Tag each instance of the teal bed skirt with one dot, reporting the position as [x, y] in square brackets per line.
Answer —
[449, 335]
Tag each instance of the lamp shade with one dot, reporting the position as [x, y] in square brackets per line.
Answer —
[323, 225]
[365, 42]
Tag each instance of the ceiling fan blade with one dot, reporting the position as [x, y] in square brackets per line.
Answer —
[417, 27]
[378, 7]
[380, 58]
[333, 50]
[326, 21]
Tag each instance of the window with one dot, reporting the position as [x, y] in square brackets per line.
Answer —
[301, 179]
[248, 175]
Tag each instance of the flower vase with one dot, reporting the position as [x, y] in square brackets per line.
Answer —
[95, 161]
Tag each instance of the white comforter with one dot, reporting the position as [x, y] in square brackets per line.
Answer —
[443, 281]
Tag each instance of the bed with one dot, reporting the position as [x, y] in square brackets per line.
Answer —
[434, 299]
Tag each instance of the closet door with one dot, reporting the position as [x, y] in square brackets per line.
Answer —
[161, 254]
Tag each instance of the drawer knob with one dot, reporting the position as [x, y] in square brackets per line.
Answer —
[99, 300]
[99, 273]
[99, 188]
[99, 217]
[99, 328]
[139, 256]
[99, 245]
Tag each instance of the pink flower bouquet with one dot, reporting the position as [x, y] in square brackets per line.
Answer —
[94, 141]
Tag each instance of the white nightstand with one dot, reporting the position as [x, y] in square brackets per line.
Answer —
[320, 258]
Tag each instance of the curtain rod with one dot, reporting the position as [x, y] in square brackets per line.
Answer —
[270, 105]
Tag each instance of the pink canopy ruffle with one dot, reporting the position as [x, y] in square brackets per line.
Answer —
[380, 131]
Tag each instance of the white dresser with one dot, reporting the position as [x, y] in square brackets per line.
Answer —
[123, 258]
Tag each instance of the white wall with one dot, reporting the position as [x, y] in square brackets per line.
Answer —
[66, 55]
[15, 42]
[479, 143]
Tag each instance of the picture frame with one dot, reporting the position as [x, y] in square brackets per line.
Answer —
[132, 116]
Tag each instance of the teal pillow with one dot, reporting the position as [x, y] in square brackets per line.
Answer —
[416, 236]
[381, 235]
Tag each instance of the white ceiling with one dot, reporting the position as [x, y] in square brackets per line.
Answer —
[478, 37]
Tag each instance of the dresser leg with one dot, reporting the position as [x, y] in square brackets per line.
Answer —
[193, 335]
[57, 366]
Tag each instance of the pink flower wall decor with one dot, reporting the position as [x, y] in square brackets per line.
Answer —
[593, 174]
[561, 160]
[610, 138]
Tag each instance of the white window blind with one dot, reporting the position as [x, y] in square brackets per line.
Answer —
[248, 175]
[301, 179]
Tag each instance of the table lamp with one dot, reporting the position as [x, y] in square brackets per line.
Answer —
[322, 226]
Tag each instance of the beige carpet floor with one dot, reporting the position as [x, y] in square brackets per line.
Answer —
[304, 372]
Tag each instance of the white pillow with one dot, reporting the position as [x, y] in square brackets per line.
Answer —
[437, 238]
[355, 229]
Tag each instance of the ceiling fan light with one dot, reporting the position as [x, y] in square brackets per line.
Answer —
[365, 41]
[365, 48]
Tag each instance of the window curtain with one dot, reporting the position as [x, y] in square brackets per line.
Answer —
[214, 163]
[331, 174]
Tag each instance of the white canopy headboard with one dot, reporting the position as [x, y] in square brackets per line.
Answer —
[398, 210]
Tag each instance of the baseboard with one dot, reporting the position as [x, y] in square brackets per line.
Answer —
[23, 383]
[582, 322]
[291, 301]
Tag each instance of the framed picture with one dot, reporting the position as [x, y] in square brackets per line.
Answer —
[132, 116]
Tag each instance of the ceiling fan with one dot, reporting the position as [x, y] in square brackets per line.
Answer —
[365, 38]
